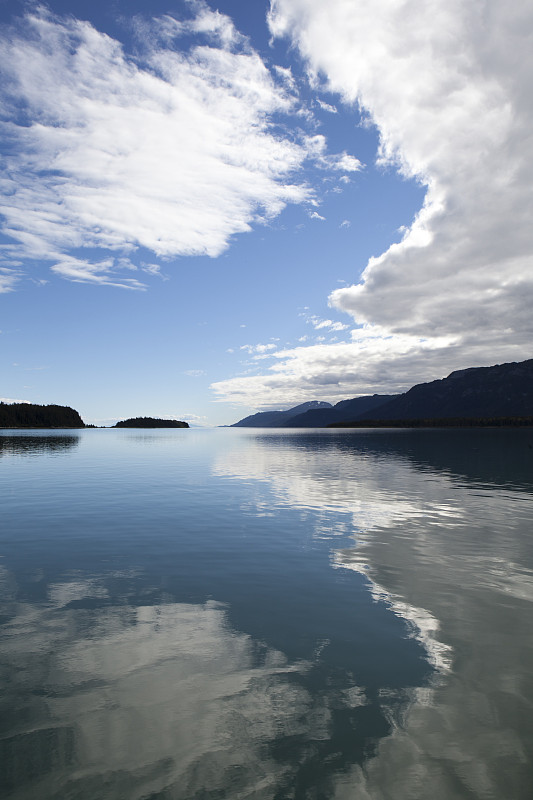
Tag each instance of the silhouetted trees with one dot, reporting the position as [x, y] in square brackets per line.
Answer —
[150, 422]
[30, 415]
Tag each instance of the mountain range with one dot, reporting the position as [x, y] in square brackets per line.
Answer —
[500, 391]
[276, 419]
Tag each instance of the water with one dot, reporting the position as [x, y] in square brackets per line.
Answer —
[191, 615]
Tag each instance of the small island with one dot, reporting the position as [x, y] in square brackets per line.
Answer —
[150, 422]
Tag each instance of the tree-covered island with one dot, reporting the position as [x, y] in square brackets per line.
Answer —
[150, 422]
[31, 415]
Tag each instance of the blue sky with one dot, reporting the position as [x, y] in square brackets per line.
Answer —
[211, 209]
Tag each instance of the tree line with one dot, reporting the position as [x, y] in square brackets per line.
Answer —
[30, 415]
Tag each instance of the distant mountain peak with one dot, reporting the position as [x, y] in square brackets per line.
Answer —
[276, 419]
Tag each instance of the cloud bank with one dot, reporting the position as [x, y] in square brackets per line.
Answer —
[175, 149]
[447, 85]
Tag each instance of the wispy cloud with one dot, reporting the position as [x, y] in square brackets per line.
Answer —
[330, 324]
[326, 106]
[102, 272]
[258, 348]
[8, 279]
[174, 149]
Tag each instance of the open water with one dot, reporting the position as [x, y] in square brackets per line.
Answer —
[212, 614]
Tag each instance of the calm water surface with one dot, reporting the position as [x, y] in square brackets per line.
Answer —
[201, 615]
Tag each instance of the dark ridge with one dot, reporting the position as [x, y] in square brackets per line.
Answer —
[441, 422]
[346, 409]
[504, 390]
[150, 422]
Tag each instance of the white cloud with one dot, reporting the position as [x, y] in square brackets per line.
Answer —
[318, 324]
[326, 106]
[258, 348]
[316, 215]
[154, 269]
[74, 269]
[285, 73]
[448, 88]
[171, 150]
[193, 419]
[195, 373]
[374, 362]
[447, 85]
[13, 400]
[340, 162]
[8, 279]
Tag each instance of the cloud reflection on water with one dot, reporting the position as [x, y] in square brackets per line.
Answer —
[445, 541]
[115, 695]
[162, 700]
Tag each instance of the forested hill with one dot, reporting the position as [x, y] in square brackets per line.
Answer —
[150, 422]
[501, 391]
[29, 415]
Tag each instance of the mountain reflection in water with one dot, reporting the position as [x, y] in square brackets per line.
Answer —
[268, 615]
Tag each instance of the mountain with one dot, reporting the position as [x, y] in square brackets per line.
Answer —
[500, 392]
[346, 409]
[30, 415]
[150, 422]
[275, 419]
[504, 390]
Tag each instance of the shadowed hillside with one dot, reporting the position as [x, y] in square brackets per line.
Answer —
[276, 419]
[502, 391]
[321, 417]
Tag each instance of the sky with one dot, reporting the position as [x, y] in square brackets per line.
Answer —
[212, 209]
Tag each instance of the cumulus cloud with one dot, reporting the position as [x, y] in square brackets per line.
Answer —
[174, 149]
[447, 87]
[373, 362]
